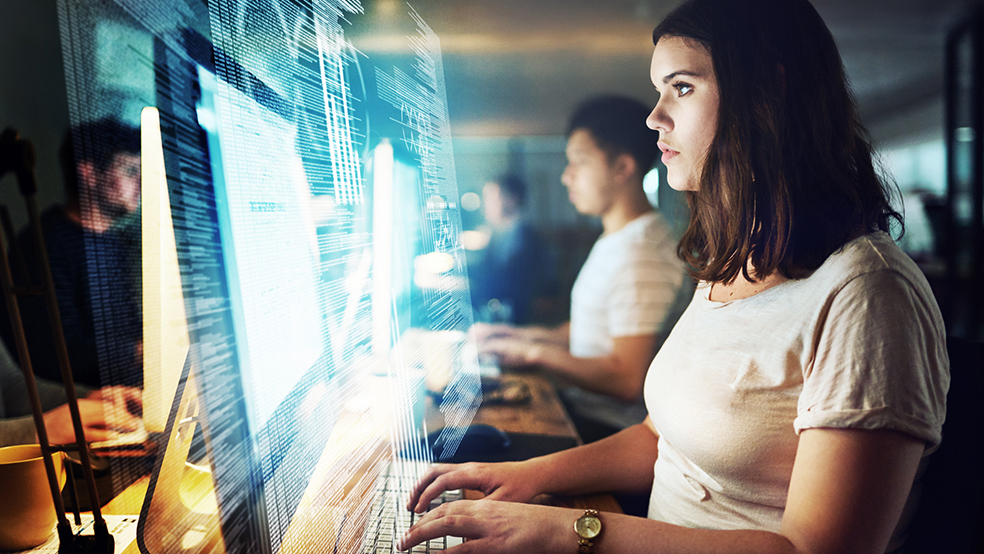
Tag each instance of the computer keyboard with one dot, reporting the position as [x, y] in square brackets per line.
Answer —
[389, 518]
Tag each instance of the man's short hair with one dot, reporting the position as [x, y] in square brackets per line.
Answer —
[618, 126]
[96, 142]
[513, 186]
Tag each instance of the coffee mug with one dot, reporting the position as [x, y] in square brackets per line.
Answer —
[27, 512]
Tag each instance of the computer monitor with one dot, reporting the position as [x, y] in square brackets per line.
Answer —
[322, 283]
[165, 323]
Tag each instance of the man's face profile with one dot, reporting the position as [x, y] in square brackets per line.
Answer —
[588, 175]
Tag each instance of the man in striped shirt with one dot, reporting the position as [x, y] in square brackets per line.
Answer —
[630, 290]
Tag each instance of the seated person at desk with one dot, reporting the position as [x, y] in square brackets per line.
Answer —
[511, 270]
[630, 290]
[794, 401]
[93, 247]
[96, 408]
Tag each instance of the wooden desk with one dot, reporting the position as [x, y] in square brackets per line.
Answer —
[544, 414]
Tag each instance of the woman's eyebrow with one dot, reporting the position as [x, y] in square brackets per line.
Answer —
[684, 72]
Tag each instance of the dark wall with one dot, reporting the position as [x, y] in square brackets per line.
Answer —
[32, 93]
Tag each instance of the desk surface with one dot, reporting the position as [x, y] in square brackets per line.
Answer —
[544, 414]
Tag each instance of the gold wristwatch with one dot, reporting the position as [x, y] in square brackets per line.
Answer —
[587, 527]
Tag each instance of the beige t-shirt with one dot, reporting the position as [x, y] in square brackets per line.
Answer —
[858, 344]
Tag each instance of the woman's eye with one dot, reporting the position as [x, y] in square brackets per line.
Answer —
[683, 89]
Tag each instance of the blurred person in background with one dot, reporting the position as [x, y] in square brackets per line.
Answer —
[630, 290]
[515, 264]
[93, 247]
[103, 412]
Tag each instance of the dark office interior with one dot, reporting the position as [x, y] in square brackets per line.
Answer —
[515, 69]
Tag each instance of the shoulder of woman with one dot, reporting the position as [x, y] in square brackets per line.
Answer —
[870, 253]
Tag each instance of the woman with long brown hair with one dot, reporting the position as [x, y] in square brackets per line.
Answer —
[793, 402]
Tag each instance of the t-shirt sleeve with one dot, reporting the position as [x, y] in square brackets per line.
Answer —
[880, 361]
[644, 292]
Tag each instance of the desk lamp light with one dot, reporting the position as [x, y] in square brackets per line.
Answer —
[17, 156]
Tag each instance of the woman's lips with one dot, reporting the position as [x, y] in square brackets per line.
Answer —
[668, 153]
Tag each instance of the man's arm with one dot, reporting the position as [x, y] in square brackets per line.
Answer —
[620, 374]
[17, 430]
[559, 335]
[13, 389]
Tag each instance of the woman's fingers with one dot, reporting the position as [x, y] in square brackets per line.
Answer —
[453, 478]
[491, 526]
[508, 481]
[424, 482]
[453, 519]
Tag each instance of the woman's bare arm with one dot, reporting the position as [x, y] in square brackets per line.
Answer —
[847, 491]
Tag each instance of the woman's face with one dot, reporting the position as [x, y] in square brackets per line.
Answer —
[687, 111]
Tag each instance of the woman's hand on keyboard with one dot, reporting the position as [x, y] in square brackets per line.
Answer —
[508, 481]
[493, 526]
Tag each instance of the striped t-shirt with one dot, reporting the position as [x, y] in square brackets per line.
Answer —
[630, 285]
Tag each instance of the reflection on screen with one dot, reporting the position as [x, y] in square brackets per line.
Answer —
[315, 218]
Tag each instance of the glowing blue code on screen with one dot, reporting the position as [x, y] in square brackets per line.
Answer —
[313, 194]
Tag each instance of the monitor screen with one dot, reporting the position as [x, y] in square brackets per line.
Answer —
[269, 243]
[315, 222]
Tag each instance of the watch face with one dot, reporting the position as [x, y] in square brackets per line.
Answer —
[587, 527]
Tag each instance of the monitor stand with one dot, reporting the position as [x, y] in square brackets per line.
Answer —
[180, 513]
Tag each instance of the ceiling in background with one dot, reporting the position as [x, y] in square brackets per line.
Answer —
[518, 67]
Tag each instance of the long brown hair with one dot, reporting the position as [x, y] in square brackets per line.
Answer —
[789, 177]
